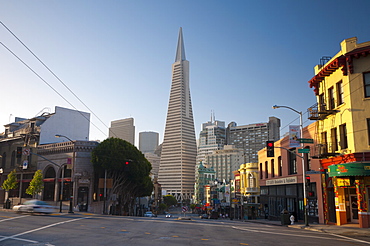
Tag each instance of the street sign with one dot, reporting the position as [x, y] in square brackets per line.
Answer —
[26, 152]
[184, 209]
[305, 140]
[303, 150]
[25, 164]
[313, 172]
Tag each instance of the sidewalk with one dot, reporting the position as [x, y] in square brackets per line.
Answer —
[344, 230]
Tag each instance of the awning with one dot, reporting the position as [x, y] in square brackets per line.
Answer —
[350, 169]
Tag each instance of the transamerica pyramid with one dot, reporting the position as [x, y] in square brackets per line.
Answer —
[177, 166]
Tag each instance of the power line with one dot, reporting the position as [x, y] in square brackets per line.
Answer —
[54, 76]
[25, 64]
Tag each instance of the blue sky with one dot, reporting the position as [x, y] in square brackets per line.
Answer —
[245, 56]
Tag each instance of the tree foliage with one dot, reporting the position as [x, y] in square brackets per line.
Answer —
[36, 184]
[169, 200]
[129, 181]
[11, 182]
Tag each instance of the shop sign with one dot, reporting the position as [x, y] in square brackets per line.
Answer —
[282, 181]
[350, 169]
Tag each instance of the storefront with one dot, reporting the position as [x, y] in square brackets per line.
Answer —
[351, 188]
[286, 194]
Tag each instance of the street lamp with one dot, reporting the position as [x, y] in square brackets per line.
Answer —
[303, 165]
[62, 136]
[73, 162]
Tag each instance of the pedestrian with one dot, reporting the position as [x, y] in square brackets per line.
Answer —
[292, 219]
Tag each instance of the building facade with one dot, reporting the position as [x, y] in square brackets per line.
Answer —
[282, 184]
[148, 141]
[250, 189]
[68, 172]
[123, 129]
[205, 177]
[251, 138]
[21, 139]
[212, 137]
[178, 158]
[225, 162]
[342, 114]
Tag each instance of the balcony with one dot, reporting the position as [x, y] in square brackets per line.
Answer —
[323, 150]
[319, 111]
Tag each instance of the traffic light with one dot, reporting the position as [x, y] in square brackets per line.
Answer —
[308, 180]
[127, 165]
[19, 152]
[270, 148]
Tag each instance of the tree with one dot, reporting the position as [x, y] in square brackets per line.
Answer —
[36, 184]
[126, 166]
[10, 183]
[169, 200]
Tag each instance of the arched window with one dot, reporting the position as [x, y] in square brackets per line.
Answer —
[272, 168]
[280, 166]
[266, 170]
[50, 173]
[251, 181]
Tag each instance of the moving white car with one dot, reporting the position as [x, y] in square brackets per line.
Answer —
[149, 214]
[34, 206]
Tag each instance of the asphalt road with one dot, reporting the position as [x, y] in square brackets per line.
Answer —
[91, 229]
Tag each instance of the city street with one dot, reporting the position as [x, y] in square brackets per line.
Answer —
[92, 229]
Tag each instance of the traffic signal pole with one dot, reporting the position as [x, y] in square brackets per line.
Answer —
[303, 163]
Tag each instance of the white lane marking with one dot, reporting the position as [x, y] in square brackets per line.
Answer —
[42, 228]
[13, 218]
[21, 239]
[296, 235]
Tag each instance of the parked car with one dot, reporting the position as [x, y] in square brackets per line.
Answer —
[34, 206]
[149, 214]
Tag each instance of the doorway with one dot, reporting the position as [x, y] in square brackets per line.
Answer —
[82, 198]
[354, 208]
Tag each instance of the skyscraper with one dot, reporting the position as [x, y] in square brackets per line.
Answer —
[251, 138]
[179, 150]
[123, 129]
[212, 137]
[148, 141]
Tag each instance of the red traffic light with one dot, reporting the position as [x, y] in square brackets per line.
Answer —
[127, 162]
[269, 144]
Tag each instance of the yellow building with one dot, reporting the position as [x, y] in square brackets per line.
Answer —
[342, 87]
[249, 189]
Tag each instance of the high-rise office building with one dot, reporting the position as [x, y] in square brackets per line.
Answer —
[123, 129]
[148, 141]
[251, 138]
[212, 137]
[179, 150]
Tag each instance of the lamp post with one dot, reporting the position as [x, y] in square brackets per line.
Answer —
[72, 173]
[303, 164]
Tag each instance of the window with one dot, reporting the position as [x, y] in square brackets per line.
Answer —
[266, 170]
[261, 171]
[272, 168]
[252, 181]
[331, 98]
[322, 103]
[292, 158]
[324, 143]
[280, 163]
[367, 84]
[334, 140]
[343, 136]
[307, 160]
[340, 99]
